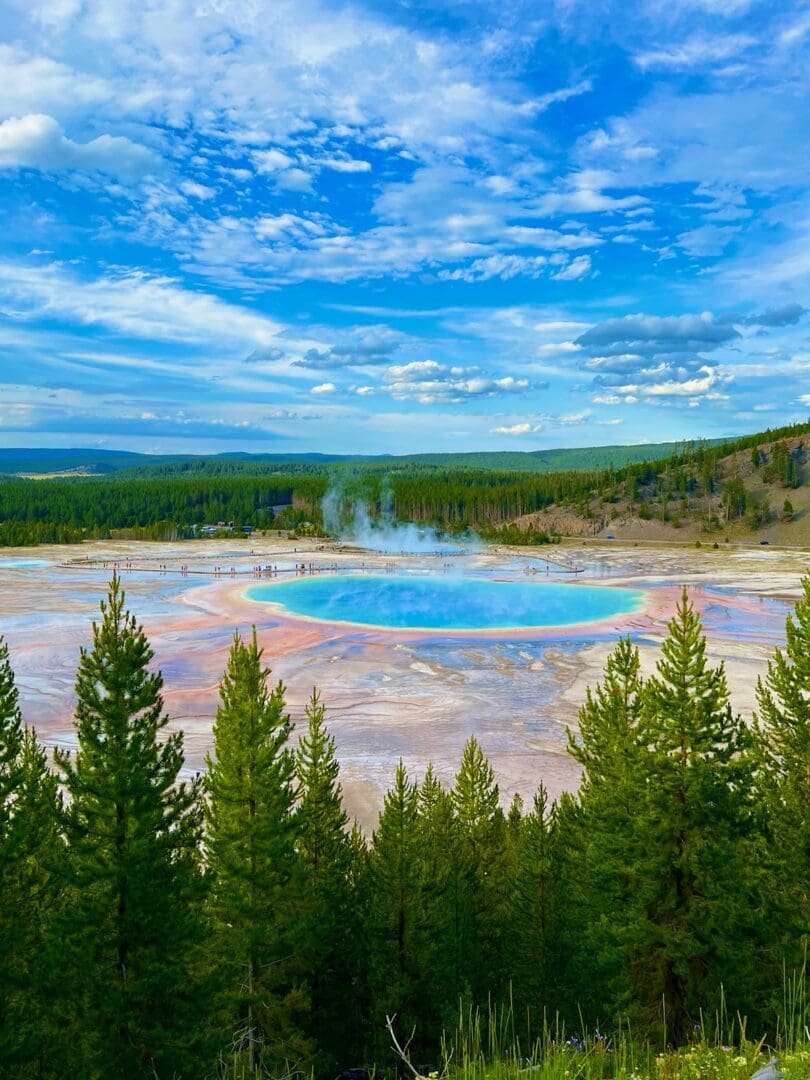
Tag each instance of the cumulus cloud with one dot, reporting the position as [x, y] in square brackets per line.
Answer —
[317, 142]
[788, 315]
[324, 388]
[360, 353]
[38, 84]
[500, 266]
[651, 334]
[197, 191]
[688, 388]
[513, 429]
[37, 141]
[577, 268]
[265, 356]
[582, 193]
[428, 382]
[366, 346]
[657, 358]
[290, 226]
[345, 165]
[272, 160]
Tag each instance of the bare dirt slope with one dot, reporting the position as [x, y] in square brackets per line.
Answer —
[698, 516]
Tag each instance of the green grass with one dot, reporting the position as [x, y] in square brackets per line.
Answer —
[490, 1050]
[486, 1045]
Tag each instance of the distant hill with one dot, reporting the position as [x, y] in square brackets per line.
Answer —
[754, 486]
[44, 462]
[755, 489]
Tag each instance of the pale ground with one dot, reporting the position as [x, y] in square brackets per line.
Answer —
[389, 694]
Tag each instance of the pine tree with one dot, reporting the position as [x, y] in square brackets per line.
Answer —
[446, 905]
[483, 845]
[359, 1010]
[29, 845]
[130, 926]
[255, 873]
[11, 739]
[331, 933]
[531, 913]
[783, 744]
[32, 875]
[611, 746]
[395, 924]
[694, 912]
[571, 989]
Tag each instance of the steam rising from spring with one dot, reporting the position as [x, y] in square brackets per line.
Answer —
[351, 522]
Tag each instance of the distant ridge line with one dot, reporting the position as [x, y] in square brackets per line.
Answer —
[99, 462]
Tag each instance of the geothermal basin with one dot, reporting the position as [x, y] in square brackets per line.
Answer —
[412, 654]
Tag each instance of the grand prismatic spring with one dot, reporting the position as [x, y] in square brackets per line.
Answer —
[412, 653]
[457, 603]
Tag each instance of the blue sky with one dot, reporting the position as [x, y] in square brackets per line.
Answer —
[402, 226]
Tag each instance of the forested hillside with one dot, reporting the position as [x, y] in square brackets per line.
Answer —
[745, 485]
[38, 462]
[236, 925]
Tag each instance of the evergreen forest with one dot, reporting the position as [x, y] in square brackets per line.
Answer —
[172, 500]
[235, 923]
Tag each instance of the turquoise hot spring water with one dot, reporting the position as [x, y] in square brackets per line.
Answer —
[454, 602]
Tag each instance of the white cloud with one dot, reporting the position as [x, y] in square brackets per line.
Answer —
[270, 227]
[795, 33]
[555, 348]
[545, 101]
[197, 191]
[707, 240]
[272, 160]
[345, 165]
[500, 266]
[577, 268]
[294, 180]
[324, 388]
[514, 429]
[133, 304]
[39, 84]
[696, 51]
[581, 193]
[36, 141]
[429, 382]
[657, 333]
[687, 388]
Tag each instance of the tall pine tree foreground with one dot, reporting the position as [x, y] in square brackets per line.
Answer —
[445, 892]
[611, 745]
[532, 919]
[395, 925]
[31, 880]
[331, 934]
[11, 739]
[693, 920]
[484, 851]
[256, 879]
[131, 924]
[30, 847]
[783, 744]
